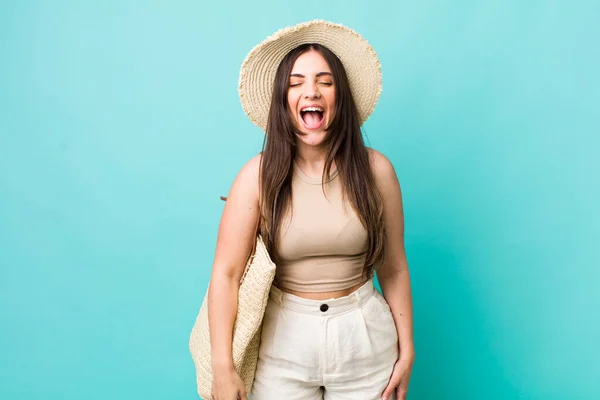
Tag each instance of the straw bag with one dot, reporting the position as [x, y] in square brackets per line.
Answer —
[253, 295]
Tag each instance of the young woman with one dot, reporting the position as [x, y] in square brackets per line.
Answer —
[330, 213]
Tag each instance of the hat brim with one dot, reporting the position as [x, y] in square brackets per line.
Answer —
[257, 74]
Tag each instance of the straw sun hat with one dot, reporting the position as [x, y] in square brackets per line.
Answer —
[257, 74]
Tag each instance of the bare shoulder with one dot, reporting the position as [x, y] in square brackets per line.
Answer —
[245, 184]
[383, 169]
[252, 167]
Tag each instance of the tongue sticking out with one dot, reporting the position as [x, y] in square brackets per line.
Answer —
[312, 119]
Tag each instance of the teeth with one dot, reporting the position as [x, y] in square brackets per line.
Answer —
[312, 109]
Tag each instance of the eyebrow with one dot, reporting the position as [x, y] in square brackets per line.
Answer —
[318, 75]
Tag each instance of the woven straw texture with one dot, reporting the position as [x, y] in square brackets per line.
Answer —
[257, 74]
[252, 302]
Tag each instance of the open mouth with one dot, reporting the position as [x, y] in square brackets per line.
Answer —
[312, 117]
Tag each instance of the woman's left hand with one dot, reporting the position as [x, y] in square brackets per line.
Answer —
[399, 379]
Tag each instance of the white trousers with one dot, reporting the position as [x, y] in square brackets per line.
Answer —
[340, 349]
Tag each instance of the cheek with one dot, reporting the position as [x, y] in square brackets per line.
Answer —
[292, 109]
[331, 103]
[292, 100]
[330, 97]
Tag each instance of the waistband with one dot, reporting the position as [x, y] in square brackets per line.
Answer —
[323, 307]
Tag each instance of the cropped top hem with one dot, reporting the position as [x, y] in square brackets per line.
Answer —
[320, 287]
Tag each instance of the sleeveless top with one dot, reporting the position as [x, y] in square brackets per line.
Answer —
[322, 243]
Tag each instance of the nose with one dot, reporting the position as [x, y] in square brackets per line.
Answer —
[312, 92]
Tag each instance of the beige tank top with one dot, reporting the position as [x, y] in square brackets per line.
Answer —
[322, 243]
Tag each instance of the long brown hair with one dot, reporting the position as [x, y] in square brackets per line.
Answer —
[345, 146]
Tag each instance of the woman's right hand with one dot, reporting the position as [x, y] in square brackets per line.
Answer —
[227, 385]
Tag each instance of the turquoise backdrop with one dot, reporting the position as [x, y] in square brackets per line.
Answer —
[120, 127]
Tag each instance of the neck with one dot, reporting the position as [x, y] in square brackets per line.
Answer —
[311, 157]
[311, 160]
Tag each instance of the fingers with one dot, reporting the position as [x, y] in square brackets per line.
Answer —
[243, 395]
[401, 393]
[389, 390]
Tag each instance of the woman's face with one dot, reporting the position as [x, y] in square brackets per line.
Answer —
[311, 97]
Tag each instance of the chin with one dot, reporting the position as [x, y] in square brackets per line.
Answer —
[312, 138]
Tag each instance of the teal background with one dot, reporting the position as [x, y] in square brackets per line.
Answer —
[120, 127]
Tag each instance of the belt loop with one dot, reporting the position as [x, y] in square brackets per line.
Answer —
[357, 297]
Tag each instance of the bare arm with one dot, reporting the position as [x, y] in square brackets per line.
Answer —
[393, 275]
[234, 244]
